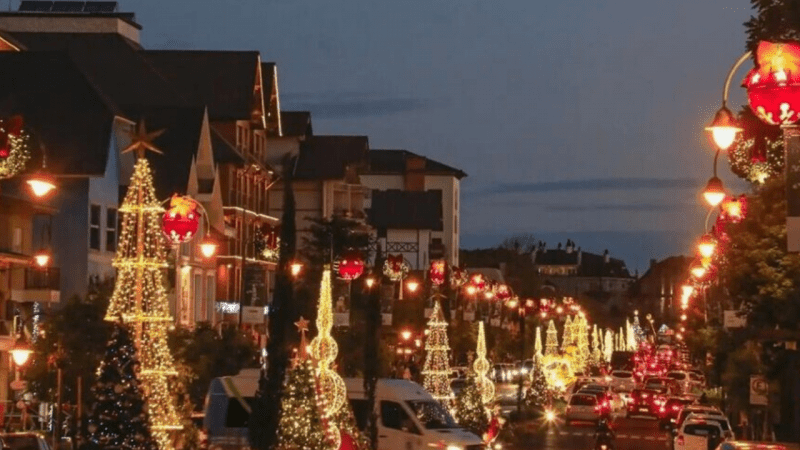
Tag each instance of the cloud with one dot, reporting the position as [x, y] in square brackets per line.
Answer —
[351, 105]
[597, 184]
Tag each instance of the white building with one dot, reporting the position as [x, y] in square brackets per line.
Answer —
[414, 206]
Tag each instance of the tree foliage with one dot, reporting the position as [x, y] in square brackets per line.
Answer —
[470, 412]
[775, 21]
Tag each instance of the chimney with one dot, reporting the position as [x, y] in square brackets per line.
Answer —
[70, 17]
[606, 257]
[414, 172]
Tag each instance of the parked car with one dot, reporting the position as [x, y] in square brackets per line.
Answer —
[698, 435]
[622, 381]
[408, 417]
[750, 445]
[24, 441]
[583, 407]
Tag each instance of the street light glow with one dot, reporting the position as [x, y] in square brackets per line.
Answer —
[714, 192]
[295, 267]
[208, 248]
[41, 184]
[412, 285]
[724, 128]
[42, 258]
[405, 334]
[707, 246]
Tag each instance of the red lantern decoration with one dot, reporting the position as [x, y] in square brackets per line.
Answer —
[181, 220]
[436, 272]
[350, 266]
[477, 280]
[773, 86]
[502, 292]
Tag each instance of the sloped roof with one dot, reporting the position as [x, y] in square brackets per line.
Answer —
[222, 80]
[117, 69]
[394, 162]
[590, 265]
[224, 151]
[47, 88]
[296, 123]
[179, 142]
[406, 210]
[328, 157]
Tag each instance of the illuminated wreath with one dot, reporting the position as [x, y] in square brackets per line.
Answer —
[395, 267]
[14, 147]
[458, 277]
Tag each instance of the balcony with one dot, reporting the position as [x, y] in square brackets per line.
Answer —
[40, 286]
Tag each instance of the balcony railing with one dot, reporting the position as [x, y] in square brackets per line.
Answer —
[49, 279]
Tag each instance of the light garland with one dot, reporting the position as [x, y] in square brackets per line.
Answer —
[482, 367]
[436, 371]
[140, 299]
[18, 155]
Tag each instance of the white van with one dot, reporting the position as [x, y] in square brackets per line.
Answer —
[227, 410]
[409, 418]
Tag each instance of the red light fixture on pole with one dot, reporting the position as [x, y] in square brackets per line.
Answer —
[724, 128]
[714, 192]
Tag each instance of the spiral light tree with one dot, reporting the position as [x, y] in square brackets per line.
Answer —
[324, 350]
[436, 371]
[482, 366]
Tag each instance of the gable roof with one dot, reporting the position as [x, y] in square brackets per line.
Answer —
[406, 210]
[394, 162]
[296, 123]
[222, 80]
[329, 157]
[224, 151]
[179, 142]
[47, 88]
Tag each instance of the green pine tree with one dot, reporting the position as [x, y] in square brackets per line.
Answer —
[118, 418]
[470, 412]
[300, 426]
[538, 392]
[775, 20]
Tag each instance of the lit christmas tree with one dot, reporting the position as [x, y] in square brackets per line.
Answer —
[482, 367]
[301, 425]
[567, 338]
[139, 297]
[119, 416]
[537, 347]
[538, 392]
[436, 371]
[608, 348]
[551, 342]
[597, 352]
[581, 334]
[470, 410]
[324, 350]
[621, 342]
[639, 336]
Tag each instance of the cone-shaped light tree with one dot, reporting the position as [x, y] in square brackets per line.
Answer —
[436, 371]
[324, 350]
[609, 345]
[551, 342]
[567, 338]
[597, 355]
[537, 347]
[482, 367]
[139, 297]
[118, 418]
[581, 333]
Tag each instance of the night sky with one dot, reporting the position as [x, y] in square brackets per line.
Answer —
[577, 119]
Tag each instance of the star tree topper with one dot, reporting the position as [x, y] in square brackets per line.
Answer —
[142, 141]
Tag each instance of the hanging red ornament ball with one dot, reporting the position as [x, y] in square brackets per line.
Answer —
[773, 86]
[181, 220]
[350, 266]
[502, 292]
[348, 443]
[477, 280]
[436, 272]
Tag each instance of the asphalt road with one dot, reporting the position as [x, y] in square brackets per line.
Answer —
[632, 434]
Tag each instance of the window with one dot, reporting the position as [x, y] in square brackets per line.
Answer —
[394, 416]
[94, 227]
[16, 244]
[361, 413]
[111, 229]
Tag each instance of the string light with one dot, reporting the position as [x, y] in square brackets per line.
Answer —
[18, 154]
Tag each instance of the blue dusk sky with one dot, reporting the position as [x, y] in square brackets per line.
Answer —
[574, 119]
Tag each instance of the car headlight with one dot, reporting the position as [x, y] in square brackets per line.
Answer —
[454, 447]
